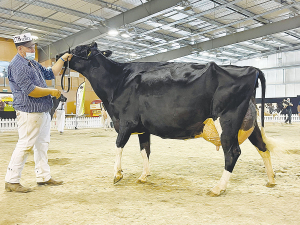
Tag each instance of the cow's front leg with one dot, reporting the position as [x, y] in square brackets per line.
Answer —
[122, 139]
[145, 152]
[117, 168]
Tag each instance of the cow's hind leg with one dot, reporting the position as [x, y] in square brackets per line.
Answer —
[145, 152]
[232, 151]
[257, 140]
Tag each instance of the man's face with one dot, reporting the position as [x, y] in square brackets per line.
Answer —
[22, 50]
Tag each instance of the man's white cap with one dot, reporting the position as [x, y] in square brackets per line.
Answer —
[23, 39]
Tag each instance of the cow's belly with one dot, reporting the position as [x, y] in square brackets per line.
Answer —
[174, 132]
[174, 116]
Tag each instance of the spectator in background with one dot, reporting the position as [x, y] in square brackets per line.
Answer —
[2, 105]
[298, 108]
[288, 110]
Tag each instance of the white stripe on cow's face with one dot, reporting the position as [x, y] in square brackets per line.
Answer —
[146, 167]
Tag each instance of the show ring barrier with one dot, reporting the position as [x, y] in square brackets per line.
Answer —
[96, 122]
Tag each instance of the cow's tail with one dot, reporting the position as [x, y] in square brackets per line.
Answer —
[270, 143]
[262, 79]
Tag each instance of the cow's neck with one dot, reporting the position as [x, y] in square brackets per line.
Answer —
[104, 76]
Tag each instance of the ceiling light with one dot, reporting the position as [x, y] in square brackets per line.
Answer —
[125, 35]
[175, 44]
[113, 32]
[132, 54]
[205, 53]
[179, 7]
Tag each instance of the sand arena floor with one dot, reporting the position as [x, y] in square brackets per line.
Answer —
[181, 174]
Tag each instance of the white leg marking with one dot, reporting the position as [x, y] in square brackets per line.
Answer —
[222, 185]
[117, 168]
[268, 165]
[146, 167]
[219, 129]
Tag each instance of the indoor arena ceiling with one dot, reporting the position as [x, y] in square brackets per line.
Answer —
[158, 30]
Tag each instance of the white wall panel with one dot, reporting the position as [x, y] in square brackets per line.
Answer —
[280, 82]
[258, 92]
[279, 91]
[270, 91]
[290, 75]
[289, 58]
[279, 76]
[297, 73]
[272, 61]
[297, 57]
[290, 90]
[297, 89]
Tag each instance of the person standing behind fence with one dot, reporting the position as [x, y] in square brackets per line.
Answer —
[289, 110]
[32, 102]
[298, 108]
[60, 117]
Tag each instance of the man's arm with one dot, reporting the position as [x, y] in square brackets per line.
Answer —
[41, 92]
[60, 62]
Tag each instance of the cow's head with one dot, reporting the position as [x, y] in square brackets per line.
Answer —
[83, 54]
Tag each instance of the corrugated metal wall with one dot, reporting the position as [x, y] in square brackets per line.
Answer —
[282, 72]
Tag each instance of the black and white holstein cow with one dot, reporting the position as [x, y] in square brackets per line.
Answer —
[175, 100]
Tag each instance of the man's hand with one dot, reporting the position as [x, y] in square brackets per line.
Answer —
[60, 62]
[67, 57]
[56, 93]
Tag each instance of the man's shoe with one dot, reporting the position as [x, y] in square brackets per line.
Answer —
[51, 182]
[16, 187]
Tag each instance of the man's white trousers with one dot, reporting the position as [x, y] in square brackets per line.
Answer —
[34, 133]
[60, 117]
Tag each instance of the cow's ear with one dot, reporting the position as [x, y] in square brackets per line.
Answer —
[107, 53]
[93, 45]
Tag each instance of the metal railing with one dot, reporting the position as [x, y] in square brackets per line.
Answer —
[96, 122]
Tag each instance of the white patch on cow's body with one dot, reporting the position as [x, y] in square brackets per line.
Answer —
[117, 168]
[146, 167]
[218, 126]
[222, 185]
[219, 129]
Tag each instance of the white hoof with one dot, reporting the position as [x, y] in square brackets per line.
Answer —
[142, 179]
[118, 176]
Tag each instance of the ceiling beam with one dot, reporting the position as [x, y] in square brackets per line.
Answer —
[62, 9]
[88, 35]
[246, 35]
[40, 19]
[108, 5]
[200, 32]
